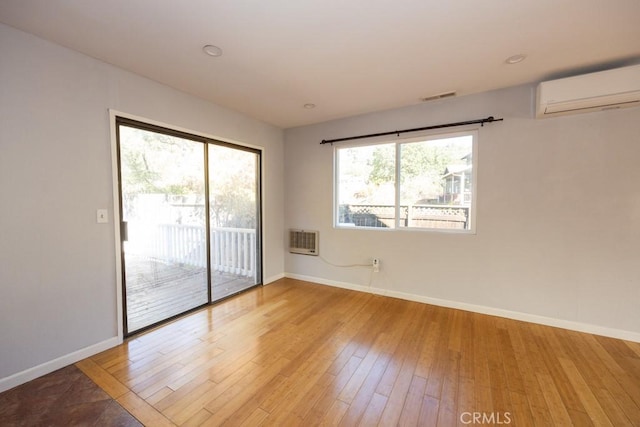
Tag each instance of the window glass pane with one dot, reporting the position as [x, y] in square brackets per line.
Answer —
[366, 186]
[436, 182]
[233, 207]
[163, 197]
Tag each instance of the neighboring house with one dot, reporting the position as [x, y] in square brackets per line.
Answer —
[458, 182]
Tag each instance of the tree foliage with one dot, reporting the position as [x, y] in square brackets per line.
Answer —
[422, 165]
[155, 165]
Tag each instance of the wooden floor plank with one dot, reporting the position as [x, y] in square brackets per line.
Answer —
[613, 398]
[312, 396]
[466, 396]
[629, 382]
[534, 394]
[234, 397]
[365, 393]
[198, 419]
[614, 411]
[334, 415]
[555, 404]
[255, 419]
[316, 414]
[397, 397]
[447, 412]
[106, 381]
[297, 353]
[634, 346]
[350, 389]
[188, 392]
[429, 411]
[590, 402]
[144, 412]
[428, 351]
[520, 411]
[374, 410]
[552, 345]
[299, 382]
[412, 404]
[189, 405]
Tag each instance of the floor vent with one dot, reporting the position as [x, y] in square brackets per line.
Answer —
[303, 242]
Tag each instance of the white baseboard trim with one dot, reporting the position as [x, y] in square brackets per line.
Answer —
[515, 315]
[53, 365]
[273, 278]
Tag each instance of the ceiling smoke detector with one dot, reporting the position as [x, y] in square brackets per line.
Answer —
[439, 96]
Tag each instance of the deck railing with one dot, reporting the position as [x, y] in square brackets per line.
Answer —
[232, 249]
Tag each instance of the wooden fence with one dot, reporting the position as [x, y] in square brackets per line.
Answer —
[418, 216]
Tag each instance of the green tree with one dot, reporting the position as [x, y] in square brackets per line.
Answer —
[383, 165]
[421, 167]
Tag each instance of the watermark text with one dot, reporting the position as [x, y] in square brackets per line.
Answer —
[492, 418]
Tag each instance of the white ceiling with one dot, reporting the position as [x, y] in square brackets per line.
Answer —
[346, 56]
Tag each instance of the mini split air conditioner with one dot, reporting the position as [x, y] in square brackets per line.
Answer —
[617, 88]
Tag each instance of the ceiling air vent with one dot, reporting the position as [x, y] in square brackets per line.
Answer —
[303, 242]
[439, 96]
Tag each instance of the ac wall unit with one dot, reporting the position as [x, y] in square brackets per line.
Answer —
[303, 242]
[617, 88]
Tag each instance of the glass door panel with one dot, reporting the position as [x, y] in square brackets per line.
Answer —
[234, 216]
[163, 209]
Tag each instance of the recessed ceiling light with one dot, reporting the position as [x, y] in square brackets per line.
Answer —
[515, 58]
[309, 106]
[212, 50]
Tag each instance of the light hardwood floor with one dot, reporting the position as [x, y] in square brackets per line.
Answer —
[299, 354]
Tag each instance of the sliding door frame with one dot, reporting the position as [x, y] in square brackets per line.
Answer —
[116, 119]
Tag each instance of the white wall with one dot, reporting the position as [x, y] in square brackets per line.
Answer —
[558, 216]
[57, 266]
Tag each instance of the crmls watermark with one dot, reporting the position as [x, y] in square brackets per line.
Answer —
[493, 418]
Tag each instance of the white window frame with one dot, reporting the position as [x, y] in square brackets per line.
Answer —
[398, 143]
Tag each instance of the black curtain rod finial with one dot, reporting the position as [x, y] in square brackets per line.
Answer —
[487, 120]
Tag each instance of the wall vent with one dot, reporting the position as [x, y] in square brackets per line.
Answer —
[303, 242]
[438, 96]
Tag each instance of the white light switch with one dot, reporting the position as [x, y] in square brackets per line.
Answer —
[102, 216]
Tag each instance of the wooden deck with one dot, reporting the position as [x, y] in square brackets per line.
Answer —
[158, 290]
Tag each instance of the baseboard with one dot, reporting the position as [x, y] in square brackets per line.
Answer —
[492, 311]
[273, 278]
[53, 365]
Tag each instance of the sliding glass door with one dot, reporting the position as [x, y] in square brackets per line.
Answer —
[190, 230]
[234, 218]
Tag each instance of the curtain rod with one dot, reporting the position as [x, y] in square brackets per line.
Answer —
[398, 132]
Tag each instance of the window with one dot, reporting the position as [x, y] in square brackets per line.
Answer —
[425, 183]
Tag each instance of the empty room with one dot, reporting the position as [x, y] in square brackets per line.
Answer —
[351, 213]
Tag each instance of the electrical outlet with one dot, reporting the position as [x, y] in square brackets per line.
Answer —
[376, 265]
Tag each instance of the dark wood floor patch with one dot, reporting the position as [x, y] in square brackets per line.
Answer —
[66, 397]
